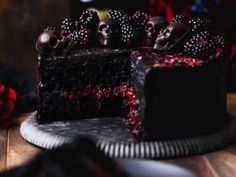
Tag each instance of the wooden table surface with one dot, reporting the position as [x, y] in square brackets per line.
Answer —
[15, 151]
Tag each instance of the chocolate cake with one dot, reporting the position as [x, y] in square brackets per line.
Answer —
[83, 84]
[191, 99]
[178, 83]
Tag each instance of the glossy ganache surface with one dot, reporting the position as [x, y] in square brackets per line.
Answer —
[184, 97]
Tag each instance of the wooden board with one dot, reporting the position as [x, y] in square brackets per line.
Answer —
[224, 161]
[17, 150]
[3, 147]
[199, 164]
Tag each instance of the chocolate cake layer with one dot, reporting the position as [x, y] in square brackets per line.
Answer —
[54, 106]
[92, 67]
[81, 85]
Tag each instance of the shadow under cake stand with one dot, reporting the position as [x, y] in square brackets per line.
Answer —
[114, 138]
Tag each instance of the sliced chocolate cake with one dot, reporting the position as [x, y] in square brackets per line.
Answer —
[179, 83]
[83, 84]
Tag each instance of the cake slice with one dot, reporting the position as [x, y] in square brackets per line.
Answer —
[85, 84]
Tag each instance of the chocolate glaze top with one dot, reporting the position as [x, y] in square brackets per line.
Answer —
[146, 56]
[153, 59]
[97, 51]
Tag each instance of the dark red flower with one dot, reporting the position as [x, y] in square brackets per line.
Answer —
[7, 103]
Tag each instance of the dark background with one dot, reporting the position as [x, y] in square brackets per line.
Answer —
[21, 21]
[20, 24]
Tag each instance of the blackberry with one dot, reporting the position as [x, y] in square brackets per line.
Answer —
[82, 37]
[140, 19]
[127, 20]
[67, 27]
[219, 41]
[200, 46]
[50, 28]
[89, 19]
[128, 33]
[197, 24]
[198, 38]
[118, 15]
[180, 19]
[220, 45]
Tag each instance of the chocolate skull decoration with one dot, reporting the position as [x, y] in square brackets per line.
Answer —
[171, 36]
[153, 27]
[108, 33]
[51, 42]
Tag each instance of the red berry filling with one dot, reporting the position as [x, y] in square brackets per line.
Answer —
[125, 92]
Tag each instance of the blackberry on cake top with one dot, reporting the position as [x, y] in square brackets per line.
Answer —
[118, 15]
[128, 34]
[140, 19]
[68, 26]
[82, 37]
[196, 40]
[183, 36]
[200, 45]
[198, 24]
[89, 19]
[180, 19]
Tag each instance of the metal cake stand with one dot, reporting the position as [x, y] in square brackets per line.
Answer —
[114, 138]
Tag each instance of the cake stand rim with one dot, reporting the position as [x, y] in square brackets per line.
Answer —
[142, 149]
